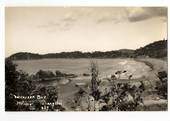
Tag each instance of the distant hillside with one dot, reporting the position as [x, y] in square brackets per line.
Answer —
[75, 54]
[156, 49]
[25, 56]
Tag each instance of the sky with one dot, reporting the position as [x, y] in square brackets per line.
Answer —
[56, 29]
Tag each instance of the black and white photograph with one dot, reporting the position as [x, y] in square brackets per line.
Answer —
[86, 58]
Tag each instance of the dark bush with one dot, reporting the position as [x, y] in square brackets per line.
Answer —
[162, 84]
[59, 74]
[16, 83]
[44, 74]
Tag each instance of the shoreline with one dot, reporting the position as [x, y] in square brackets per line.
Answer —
[146, 63]
[155, 64]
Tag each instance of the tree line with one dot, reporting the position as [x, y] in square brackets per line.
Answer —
[156, 49]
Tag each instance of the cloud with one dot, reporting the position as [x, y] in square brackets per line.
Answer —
[115, 15]
[70, 16]
[132, 14]
[107, 19]
[62, 24]
[140, 14]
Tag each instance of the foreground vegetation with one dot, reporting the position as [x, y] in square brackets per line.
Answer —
[22, 93]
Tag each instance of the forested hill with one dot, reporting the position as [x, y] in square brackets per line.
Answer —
[156, 49]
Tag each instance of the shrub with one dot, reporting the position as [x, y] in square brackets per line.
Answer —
[162, 84]
[59, 74]
[51, 96]
[44, 74]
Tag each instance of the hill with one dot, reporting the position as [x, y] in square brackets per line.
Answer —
[156, 49]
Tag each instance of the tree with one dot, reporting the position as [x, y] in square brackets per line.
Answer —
[95, 80]
[17, 83]
[11, 76]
